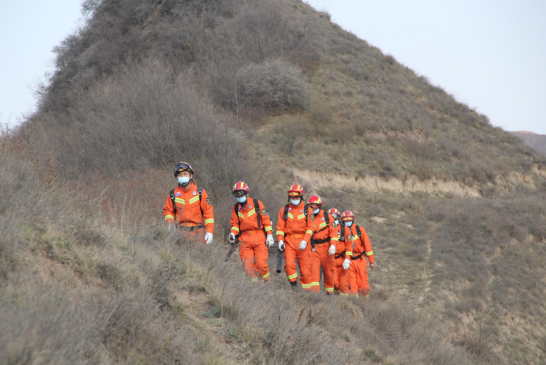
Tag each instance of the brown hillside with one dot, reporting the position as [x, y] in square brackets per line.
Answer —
[272, 93]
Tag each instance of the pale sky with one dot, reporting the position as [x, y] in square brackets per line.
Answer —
[489, 54]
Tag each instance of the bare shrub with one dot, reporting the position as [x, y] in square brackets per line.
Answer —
[260, 34]
[275, 86]
[144, 116]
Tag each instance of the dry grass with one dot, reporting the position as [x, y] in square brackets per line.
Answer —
[115, 117]
[113, 292]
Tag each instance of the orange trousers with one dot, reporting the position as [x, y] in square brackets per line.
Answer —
[321, 258]
[304, 257]
[358, 277]
[341, 277]
[197, 235]
[254, 253]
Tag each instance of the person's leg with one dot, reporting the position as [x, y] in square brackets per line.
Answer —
[305, 259]
[261, 254]
[315, 272]
[327, 263]
[290, 253]
[246, 251]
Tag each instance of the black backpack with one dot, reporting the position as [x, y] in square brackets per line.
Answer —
[358, 232]
[256, 207]
[199, 189]
[285, 213]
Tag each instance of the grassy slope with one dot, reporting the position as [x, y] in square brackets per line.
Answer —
[369, 118]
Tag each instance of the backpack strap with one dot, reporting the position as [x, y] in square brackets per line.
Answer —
[305, 209]
[342, 236]
[171, 194]
[326, 218]
[359, 233]
[285, 214]
[200, 191]
[257, 208]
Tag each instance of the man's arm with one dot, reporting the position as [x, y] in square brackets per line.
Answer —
[208, 213]
[168, 211]
[281, 225]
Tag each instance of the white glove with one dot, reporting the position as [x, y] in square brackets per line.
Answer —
[332, 250]
[208, 238]
[269, 240]
[231, 237]
[346, 264]
[303, 244]
[281, 245]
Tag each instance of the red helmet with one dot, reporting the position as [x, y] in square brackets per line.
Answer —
[296, 190]
[334, 213]
[314, 200]
[240, 189]
[347, 216]
[181, 166]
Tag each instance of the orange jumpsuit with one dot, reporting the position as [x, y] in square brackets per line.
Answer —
[252, 248]
[344, 249]
[292, 231]
[190, 212]
[358, 275]
[324, 235]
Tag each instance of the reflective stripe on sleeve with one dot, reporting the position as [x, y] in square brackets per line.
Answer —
[235, 229]
[348, 253]
[369, 253]
[209, 221]
[267, 229]
[279, 233]
[265, 276]
[334, 239]
[310, 232]
[169, 217]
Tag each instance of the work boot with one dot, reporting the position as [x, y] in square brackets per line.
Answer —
[294, 285]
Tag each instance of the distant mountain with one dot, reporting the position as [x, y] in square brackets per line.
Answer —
[537, 141]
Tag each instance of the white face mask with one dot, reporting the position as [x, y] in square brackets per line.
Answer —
[241, 199]
[183, 180]
[295, 201]
[349, 223]
[316, 211]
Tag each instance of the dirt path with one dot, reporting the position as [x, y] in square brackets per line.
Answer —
[374, 183]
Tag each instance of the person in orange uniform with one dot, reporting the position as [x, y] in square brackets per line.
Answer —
[250, 223]
[340, 275]
[323, 246]
[356, 263]
[336, 215]
[294, 230]
[188, 206]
